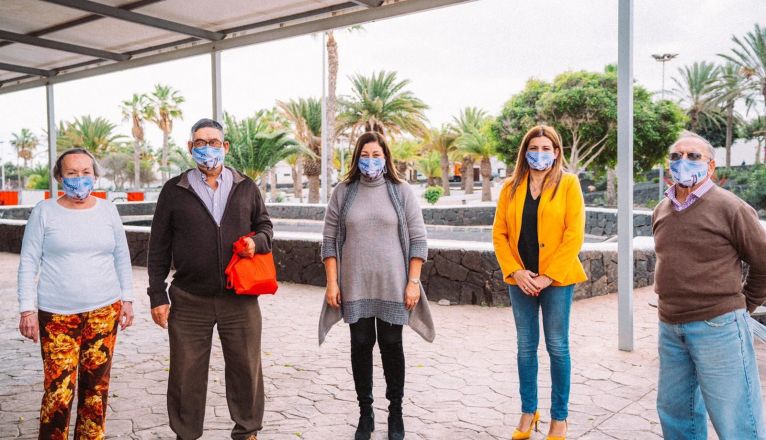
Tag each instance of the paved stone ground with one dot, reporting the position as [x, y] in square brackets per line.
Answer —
[463, 386]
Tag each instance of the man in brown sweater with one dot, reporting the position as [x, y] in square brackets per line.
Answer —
[702, 235]
[199, 215]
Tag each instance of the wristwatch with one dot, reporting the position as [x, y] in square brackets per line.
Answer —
[415, 281]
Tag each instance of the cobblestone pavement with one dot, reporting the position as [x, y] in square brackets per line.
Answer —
[463, 386]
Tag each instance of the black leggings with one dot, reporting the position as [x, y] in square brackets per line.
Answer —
[389, 337]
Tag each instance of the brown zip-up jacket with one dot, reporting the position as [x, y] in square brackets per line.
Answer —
[185, 234]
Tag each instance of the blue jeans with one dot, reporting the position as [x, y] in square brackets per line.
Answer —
[709, 365]
[556, 303]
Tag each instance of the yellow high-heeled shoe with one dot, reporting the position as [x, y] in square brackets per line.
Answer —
[519, 435]
[563, 437]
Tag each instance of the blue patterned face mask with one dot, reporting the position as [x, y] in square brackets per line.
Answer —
[77, 188]
[540, 160]
[372, 167]
[688, 173]
[207, 156]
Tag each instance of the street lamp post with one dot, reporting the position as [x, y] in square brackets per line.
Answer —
[663, 58]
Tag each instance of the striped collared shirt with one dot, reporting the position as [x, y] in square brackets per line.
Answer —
[214, 199]
[693, 197]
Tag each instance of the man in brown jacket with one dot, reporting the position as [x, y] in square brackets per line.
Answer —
[199, 215]
[702, 235]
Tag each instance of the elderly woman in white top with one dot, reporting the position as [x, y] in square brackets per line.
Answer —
[77, 246]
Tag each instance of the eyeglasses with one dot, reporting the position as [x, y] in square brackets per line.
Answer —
[691, 156]
[199, 143]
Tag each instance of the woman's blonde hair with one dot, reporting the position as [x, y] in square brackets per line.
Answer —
[521, 171]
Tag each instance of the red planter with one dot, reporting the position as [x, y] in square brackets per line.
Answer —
[135, 196]
[9, 197]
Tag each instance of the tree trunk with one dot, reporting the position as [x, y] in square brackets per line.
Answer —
[297, 172]
[729, 132]
[312, 170]
[758, 149]
[486, 183]
[136, 164]
[444, 162]
[693, 121]
[611, 187]
[164, 159]
[332, 82]
[262, 184]
[314, 184]
[467, 173]
[273, 182]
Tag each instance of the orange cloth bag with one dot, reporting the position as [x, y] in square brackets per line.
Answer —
[256, 275]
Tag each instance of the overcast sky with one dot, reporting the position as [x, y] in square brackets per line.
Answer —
[476, 54]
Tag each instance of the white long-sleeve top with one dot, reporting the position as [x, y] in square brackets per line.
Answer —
[81, 256]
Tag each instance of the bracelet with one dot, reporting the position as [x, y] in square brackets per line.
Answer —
[27, 313]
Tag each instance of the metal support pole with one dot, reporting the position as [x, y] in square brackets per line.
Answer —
[2, 168]
[661, 183]
[51, 138]
[625, 174]
[325, 132]
[215, 64]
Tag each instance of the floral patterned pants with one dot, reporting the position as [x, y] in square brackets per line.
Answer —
[77, 350]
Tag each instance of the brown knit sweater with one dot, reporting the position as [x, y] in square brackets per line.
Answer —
[699, 257]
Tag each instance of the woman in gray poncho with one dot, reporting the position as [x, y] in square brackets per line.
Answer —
[374, 247]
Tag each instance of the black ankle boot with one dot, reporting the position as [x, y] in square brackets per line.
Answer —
[366, 425]
[395, 426]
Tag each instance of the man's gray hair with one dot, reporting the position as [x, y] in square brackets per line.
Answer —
[204, 123]
[688, 135]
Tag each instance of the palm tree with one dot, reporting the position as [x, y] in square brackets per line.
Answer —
[96, 135]
[380, 103]
[37, 177]
[730, 87]
[756, 129]
[135, 110]
[333, 62]
[430, 166]
[179, 159]
[25, 142]
[696, 90]
[749, 54]
[404, 152]
[305, 116]
[470, 118]
[442, 141]
[164, 107]
[477, 143]
[255, 147]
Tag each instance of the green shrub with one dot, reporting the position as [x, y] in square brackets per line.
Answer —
[433, 194]
[755, 191]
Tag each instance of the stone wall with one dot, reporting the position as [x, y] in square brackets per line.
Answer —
[124, 208]
[600, 222]
[467, 275]
[644, 194]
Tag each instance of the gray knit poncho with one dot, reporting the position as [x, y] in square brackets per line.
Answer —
[374, 228]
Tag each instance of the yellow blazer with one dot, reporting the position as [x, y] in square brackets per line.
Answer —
[560, 231]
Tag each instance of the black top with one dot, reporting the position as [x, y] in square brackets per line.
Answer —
[184, 233]
[529, 247]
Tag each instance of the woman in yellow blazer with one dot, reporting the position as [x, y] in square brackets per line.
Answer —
[538, 231]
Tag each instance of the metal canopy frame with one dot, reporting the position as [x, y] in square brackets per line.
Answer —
[135, 17]
[343, 15]
[59, 45]
[25, 69]
[83, 20]
[368, 3]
